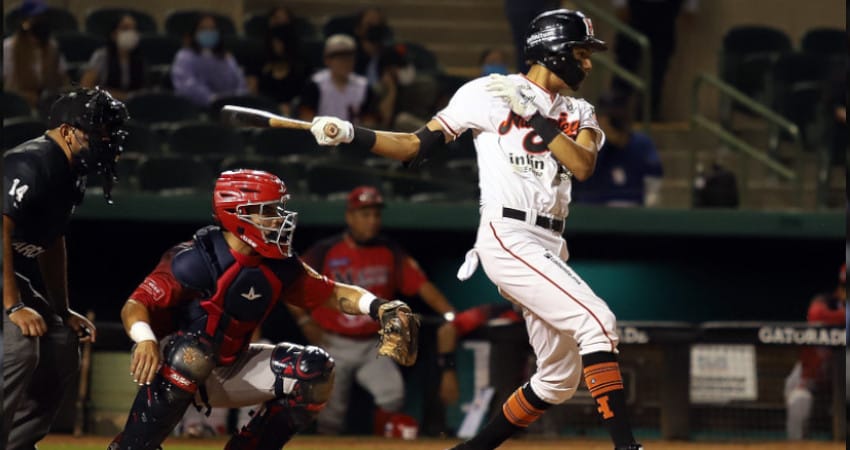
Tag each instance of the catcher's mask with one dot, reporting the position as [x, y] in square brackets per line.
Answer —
[100, 116]
[550, 40]
[251, 204]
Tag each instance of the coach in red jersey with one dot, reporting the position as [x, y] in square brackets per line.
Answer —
[363, 257]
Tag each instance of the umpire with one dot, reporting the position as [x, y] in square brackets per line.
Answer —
[44, 179]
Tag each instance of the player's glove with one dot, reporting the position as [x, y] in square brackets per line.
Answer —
[399, 334]
[519, 97]
[344, 135]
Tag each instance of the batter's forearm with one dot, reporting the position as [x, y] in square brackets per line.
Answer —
[397, 146]
[579, 159]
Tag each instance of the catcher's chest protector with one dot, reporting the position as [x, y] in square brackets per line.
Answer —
[236, 292]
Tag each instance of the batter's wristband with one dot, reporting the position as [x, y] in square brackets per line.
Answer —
[364, 138]
[547, 130]
[446, 361]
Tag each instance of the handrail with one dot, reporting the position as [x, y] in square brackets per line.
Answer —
[640, 81]
[717, 129]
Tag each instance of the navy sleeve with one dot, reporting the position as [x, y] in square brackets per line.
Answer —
[22, 185]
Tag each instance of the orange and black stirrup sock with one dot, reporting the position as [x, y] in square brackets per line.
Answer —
[521, 409]
[602, 375]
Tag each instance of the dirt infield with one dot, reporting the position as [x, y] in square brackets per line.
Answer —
[368, 443]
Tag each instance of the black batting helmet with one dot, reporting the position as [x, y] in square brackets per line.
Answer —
[551, 37]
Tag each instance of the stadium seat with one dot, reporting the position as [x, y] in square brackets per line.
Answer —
[158, 49]
[175, 174]
[13, 105]
[161, 108]
[827, 41]
[256, 25]
[312, 52]
[141, 139]
[423, 59]
[747, 55]
[292, 173]
[60, 19]
[248, 52]
[248, 101]
[205, 139]
[335, 181]
[341, 24]
[179, 23]
[20, 129]
[100, 21]
[284, 142]
[795, 89]
[77, 47]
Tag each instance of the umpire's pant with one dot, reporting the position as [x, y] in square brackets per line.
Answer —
[36, 372]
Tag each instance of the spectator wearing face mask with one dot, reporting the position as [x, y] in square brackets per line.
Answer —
[493, 61]
[373, 34]
[282, 76]
[118, 66]
[203, 71]
[32, 63]
[395, 89]
[628, 168]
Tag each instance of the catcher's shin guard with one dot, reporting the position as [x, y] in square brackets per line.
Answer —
[304, 378]
[160, 406]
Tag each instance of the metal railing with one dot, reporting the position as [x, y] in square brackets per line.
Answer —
[736, 143]
[640, 80]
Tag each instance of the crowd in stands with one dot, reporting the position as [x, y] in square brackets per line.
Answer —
[181, 73]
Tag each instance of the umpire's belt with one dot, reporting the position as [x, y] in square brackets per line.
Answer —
[549, 223]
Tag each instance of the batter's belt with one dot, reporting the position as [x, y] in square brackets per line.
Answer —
[549, 223]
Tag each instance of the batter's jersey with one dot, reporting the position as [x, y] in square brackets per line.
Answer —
[41, 191]
[515, 167]
[381, 266]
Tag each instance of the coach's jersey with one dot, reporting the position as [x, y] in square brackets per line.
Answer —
[205, 286]
[515, 167]
[41, 190]
[381, 266]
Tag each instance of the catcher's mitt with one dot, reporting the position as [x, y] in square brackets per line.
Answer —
[399, 333]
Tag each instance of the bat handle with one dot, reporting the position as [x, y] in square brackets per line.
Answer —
[331, 130]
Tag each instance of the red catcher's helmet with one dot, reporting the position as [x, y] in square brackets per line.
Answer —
[251, 204]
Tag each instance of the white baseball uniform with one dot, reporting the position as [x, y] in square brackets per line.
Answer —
[526, 259]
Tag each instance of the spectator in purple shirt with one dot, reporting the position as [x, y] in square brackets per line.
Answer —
[203, 70]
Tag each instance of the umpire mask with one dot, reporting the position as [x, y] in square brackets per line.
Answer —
[100, 116]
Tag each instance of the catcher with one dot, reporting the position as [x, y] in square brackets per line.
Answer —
[193, 316]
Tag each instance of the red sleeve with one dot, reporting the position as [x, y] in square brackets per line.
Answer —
[309, 289]
[160, 290]
[412, 277]
[820, 313]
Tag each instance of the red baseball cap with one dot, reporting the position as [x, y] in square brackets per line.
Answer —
[364, 196]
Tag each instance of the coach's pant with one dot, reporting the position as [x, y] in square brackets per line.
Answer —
[36, 372]
[357, 360]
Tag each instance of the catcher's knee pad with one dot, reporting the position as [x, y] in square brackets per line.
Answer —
[159, 407]
[303, 382]
[303, 375]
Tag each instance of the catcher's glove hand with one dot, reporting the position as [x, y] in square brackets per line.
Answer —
[399, 333]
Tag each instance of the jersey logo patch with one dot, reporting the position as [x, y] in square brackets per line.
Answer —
[251, 295]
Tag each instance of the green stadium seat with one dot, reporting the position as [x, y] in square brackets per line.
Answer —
[20, 129]
[163, 108]
[205, 139]
[13, 105]
[101, 21]
[175, 174]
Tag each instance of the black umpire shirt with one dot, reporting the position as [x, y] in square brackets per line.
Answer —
[41, 192]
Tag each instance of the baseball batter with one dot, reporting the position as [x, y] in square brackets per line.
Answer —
[531, 141]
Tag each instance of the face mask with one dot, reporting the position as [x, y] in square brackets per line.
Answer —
[406, 75]
[127, 39]
[207, 38]
[499, 69]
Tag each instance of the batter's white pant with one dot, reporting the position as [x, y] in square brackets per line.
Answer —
[564, 317]
[357, 360]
